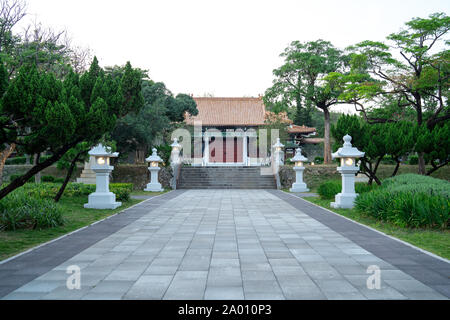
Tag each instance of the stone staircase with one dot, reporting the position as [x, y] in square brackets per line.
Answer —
[224, 178]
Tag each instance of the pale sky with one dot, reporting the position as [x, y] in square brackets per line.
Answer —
[227, 48]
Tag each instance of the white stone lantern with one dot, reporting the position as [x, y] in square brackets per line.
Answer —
[299, 185]
[102, 198]
[154, 160]
[348, 169]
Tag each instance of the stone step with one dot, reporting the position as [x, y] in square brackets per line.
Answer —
[224, 178]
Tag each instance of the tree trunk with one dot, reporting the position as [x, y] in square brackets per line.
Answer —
[326, 138]
[396, 168]
[68, 176]
[4, 155]
[30, 173]
[422, 169]
[435, 167]
[37, 177]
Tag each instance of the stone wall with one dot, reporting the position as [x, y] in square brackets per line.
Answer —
[138, 175]
[9, 170]
[313, 175]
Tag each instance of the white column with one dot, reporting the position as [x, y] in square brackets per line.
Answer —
[244, 150]
[206, 151]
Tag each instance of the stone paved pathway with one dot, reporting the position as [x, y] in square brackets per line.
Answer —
[224, 244]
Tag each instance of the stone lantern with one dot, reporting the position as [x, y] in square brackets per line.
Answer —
[299, 185]
[154, 160]
[102, 198]
[348, 169]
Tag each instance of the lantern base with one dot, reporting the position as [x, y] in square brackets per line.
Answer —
[154, 187]
[299, 187]
[102, 200]
[344, 201]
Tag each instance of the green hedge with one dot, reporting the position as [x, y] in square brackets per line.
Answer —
[16, 160]
[409, 200]
[49, 190]
[22, 160]
[20, 211]
[330, 188]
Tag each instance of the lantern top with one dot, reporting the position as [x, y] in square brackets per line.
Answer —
[278, 144]
[298, 156]
[347, 151]
[175, 143]
[154, 157]
[101, 151]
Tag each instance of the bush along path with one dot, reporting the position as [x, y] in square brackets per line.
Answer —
[411, 207]
[29, 215]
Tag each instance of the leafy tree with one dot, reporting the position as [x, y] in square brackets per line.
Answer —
[40, 113]
[435, 144]
[417, 80]
[287, 94]
[138, 131]
[79, 153]
[376, 140]
[301, 78]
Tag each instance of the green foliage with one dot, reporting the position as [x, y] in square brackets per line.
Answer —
[378, 141]
[16, 160]
[15, 176]
[318, 160]
[413, 160]
[330, 188]
[435, 143]
[63, 113]
[138, 131]
[20, 211]
[297, 88]
[164, 151]
[409, 201]
[48, 190]
[48, 179]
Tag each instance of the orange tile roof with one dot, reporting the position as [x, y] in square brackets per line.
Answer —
[300, 129]
[214, 111]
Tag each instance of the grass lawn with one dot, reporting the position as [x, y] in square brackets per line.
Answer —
[435, 241]
[14, 242]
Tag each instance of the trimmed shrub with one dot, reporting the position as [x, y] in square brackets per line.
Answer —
[16, 160]
[48, 190]
[47, 178]
[20, 211]
[330, 188]
[409, 200]
[15, 176]
[318, 160]
[413, 160]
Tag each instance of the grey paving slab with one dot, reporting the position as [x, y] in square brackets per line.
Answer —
[224, 244]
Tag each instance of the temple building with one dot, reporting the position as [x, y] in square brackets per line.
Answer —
[229, 131]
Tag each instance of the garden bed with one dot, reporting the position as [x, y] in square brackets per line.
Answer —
[410, 207]
[29, 216]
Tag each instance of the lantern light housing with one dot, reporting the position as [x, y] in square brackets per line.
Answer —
[347, 153]
[154, 159]
[102, 155]
[299, 159]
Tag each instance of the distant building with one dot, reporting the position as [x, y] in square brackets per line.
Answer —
[240, 118]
